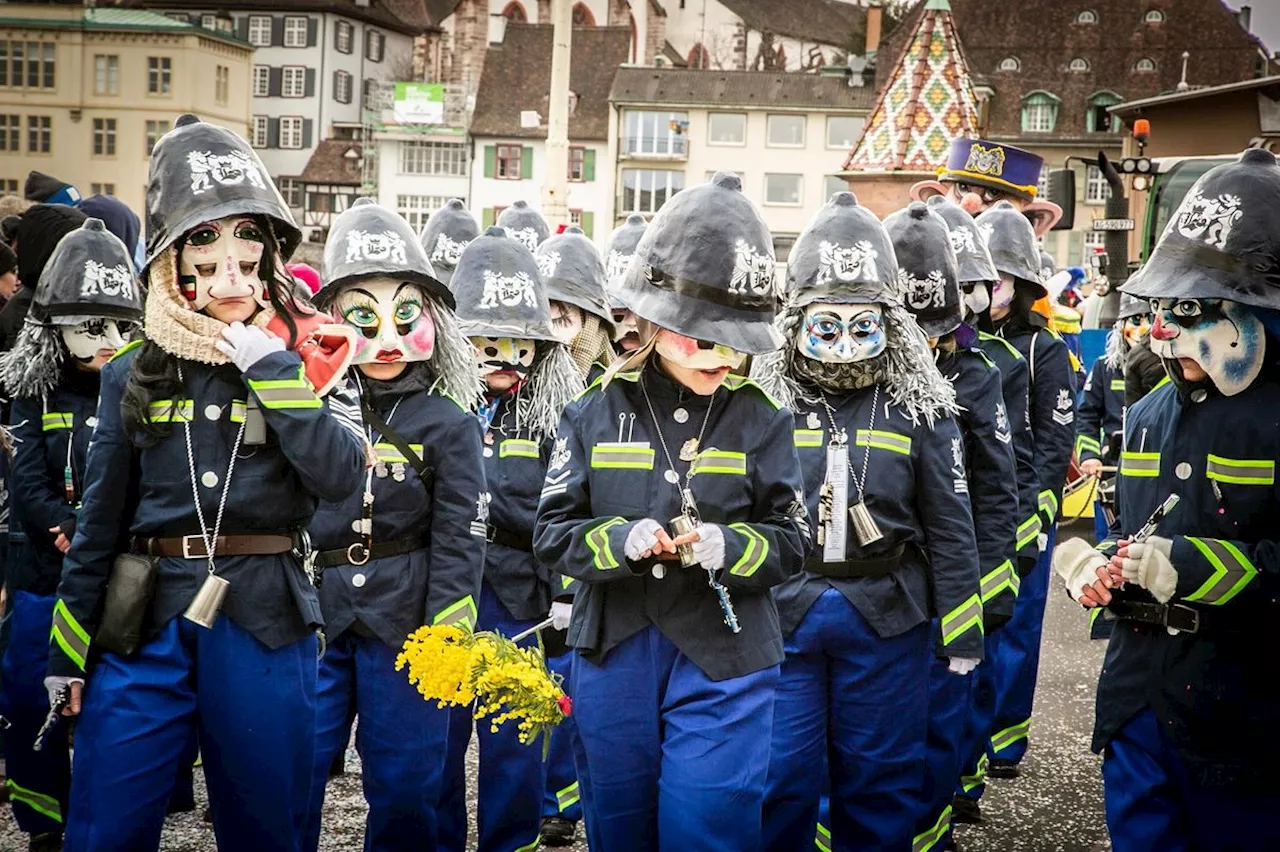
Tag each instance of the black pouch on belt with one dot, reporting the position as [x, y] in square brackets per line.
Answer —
[130, 590]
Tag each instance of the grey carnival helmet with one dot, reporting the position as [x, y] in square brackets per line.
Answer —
[89, 274]
[573, 273]
[1223, 242]
[1012, 242]
[525, 224]
[618, 251]
[705, 269]
[973, 259]
[844, 254]
[927, 278]
[201, 172]
[1132, 306]
[1048, 266]
[449, 230]
[499, 290]
[370, 241]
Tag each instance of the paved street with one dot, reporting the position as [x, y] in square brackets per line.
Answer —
[1056, 806]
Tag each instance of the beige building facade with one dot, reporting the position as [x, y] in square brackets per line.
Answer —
[84, 93]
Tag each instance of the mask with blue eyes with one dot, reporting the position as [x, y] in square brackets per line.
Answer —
[1225, 338]
[841, 334]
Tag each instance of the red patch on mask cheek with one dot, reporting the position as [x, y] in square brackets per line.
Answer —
[686, 346]
[422, 339]
[362, 344]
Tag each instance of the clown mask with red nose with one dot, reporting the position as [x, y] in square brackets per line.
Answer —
[1222, 340]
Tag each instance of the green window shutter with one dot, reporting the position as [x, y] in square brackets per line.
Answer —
[526, 163]
[588, 221]
[486, 217]
[490, 161]
[588, 168]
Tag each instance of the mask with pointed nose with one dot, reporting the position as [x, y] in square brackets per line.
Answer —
[1225, 338]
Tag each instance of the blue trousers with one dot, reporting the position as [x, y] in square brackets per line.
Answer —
[676, 761]
[564, 795]
[950, 711]
[512, 774]
[1017, 663]
[860, 702]
[254, 711]
[39, 781]
[1154, 805]
[401, 739]
[972, 782]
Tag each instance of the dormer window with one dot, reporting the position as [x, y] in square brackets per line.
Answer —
[1010, 63]
[1154, 16]
[1088, 16]
[1145, 65]
[1040, 112]
[1079, 65]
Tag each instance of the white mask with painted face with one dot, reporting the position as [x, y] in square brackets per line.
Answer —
[504, 355]
[841, 334]
[977, 298]
[222, 259]
[391, 319]
[1136, 328]
[566, 321]
[695, 355]
[85, 340]
[1003, 292]
[1225, 338]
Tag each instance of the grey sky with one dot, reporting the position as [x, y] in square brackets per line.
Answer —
[1266, 21]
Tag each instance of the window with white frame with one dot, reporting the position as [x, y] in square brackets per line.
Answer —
[291, 131]
[1094, 241]
[10, 133]
[786, 131]
[843, 131]
[1154, 16]
[342, 37]
[1088, 16]
[1145, 65]
[261, 81]
[293, 81]
[36, 58]
[831, 184]
[209, 22]
[260, 125]
[1042, 183]
[295, 31]
[342, 83]
[433, 158]
[1096, 188]
[159, 75]
[374, 45]
[727, 128]
[783, 189]
[654, 134]
[106, 74]
[290, 191]
[260, 30]
[417, 209]
[1079, 65]
[1039, 112]
[645, 190]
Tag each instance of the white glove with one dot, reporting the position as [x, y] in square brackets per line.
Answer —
[53, 684]
[246, 345]
[643, 537]
[709, 548]
[1148, 566]
[560, 614]
[1077, 564]
[961, 665]
[1042, 541]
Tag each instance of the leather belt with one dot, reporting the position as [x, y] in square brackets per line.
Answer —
[358, 554]
[1175, 616]
[193, 546]
[851, 568]
[506, 538]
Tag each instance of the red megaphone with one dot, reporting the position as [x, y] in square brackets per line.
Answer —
[325, 346]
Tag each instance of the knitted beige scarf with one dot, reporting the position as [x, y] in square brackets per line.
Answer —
[591, 345]
[176, 327]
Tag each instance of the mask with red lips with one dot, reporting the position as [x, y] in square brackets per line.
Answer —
[222, 260]
[392, 320]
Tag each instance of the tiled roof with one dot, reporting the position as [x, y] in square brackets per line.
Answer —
[517, 77]
[690, 87]
[1044, 36]
[330, 163]
[926, 102]
[819, 21]
[404, 16]
[119, 19]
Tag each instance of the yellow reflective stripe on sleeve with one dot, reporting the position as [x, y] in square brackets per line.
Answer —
[809, 437]
[38, 802]
[822, 839]
[1094, 614]
[1010, 735]
[389, 454]
[285, 393]
[1241, 471]
[70, 636]
[1085, 443]
[753, 555]
[1139, 464]
[928, 839]
[961, 620]
[719, 461]
[567, 797]
[519, 447]
[621, 457]
[598, 540]
[881, 440]
[1048, 503]
[56, 420]
[1105, 544]
[1117, 384]
[170, 411]
[461, 613]
[1028, 530]
[997, 580]
[1232, 571]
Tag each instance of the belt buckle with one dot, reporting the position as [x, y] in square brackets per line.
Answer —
[1192, 626]
[188, 541]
